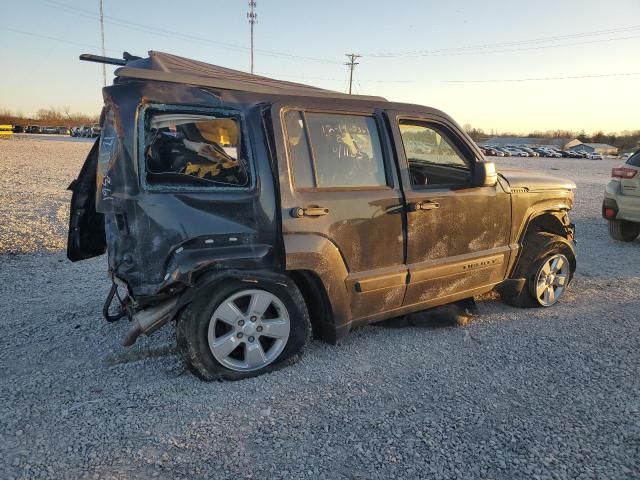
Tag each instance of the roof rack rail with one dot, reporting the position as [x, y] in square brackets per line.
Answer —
[126, 56]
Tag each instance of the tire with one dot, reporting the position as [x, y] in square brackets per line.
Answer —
[623, 231]
[255, 345]
[543, 287]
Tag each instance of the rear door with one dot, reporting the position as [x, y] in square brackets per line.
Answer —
[458, 234]
[340, 185]
[86, 236]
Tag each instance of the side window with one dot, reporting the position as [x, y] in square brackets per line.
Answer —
[299, 151]
[333, 150]
[432, 156]
[634, 159]
[195, 150]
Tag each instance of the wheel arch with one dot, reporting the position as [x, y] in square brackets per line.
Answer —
[318, 304]
[555, 222]
[319, 270]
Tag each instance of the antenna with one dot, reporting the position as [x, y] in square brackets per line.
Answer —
[253, 18]
[104, 69]
[351, 64]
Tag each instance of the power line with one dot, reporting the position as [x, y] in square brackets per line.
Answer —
[61, 40]
[351, 64]
[341, 80]
[539, 47]
[541, 79]
[475, 48]
[180, 36]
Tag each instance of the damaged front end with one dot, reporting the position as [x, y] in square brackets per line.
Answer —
[170, 192]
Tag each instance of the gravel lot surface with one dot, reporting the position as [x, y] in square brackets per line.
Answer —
[514, 394]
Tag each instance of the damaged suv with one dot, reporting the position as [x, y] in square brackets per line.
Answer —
[258, 213]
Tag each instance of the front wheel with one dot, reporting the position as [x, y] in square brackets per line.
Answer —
[623, 231]
[243, 329]
[547, 264]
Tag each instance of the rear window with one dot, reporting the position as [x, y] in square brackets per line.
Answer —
[195, 150]
[634, 159]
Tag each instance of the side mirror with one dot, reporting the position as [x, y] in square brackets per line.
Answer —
[485, 175]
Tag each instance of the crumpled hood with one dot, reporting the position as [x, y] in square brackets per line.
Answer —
[533, 180]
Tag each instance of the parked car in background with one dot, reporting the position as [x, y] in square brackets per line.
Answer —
[516, 152]
[530, 151]
[494, 153]
[570, 154]
[49, 130]
[18, 129]
[594, 156]
[62, 130]
[621, 205]
[33, 129]
[540, 151]
[94, 130]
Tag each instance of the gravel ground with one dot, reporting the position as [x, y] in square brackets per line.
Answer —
[514, 394]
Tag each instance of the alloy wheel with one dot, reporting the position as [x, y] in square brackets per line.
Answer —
[552, 279]
[248, 330]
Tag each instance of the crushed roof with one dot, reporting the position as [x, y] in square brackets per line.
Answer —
[172, 68]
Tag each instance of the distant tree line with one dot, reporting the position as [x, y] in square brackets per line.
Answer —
[51, 116]
[626, 140]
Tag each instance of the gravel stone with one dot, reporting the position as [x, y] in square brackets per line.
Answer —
[511, 394]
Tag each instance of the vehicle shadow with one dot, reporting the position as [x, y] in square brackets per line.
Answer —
[456, 314]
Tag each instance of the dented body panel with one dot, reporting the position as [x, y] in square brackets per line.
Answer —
[373, 254]
[161, 238]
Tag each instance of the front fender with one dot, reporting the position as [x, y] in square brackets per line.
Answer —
[528, 206]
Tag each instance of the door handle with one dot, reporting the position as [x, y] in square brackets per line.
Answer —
[426, 205]
[298, 212]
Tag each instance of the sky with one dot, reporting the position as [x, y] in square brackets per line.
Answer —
[481, 62]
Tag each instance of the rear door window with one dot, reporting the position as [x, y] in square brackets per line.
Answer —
[195, 150]
[330, 150]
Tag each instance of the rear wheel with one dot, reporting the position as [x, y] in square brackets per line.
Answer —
[547, 264]
[624, 231]
[243, 329]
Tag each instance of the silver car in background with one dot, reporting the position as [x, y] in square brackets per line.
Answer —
[621, 205]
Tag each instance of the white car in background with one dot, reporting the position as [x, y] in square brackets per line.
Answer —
[621, 205]
[594, 156]
[516, 152]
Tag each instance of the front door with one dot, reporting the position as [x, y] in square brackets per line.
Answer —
[337, 182]
[458, 234]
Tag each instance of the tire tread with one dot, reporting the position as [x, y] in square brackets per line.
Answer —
[194, 347]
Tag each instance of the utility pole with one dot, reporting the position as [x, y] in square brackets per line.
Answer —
[351, 64]
[253, 18]
[104, 69]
